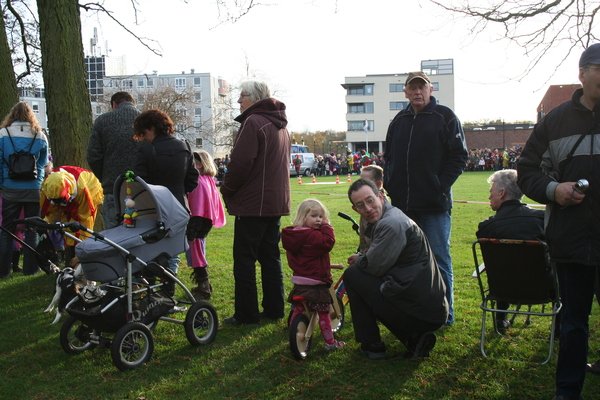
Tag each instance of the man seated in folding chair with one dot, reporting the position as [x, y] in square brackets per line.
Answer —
[513, 220]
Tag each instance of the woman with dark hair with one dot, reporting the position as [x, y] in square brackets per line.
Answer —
[20, 131]
[163, 159]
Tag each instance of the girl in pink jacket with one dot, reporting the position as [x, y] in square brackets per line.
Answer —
[206, 211]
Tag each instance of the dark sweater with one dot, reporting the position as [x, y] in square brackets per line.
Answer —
[111, 150]
[513, 220]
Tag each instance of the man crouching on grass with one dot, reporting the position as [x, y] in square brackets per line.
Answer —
[396, 281]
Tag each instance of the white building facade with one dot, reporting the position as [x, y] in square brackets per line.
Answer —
[372, 101]
[199, 103]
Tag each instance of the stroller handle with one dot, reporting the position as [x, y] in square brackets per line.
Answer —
[38, 222]
[349, 218]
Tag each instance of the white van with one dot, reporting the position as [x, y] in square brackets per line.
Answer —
[307, 157]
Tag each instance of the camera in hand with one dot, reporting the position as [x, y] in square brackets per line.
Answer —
[582, 185]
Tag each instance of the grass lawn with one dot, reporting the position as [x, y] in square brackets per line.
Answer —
[255, 362]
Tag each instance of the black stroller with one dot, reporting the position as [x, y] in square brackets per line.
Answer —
[128, 287]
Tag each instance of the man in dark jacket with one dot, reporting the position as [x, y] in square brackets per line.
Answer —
[561, 150]
[425, 152]
[396, 281]
[111, 150]
[256, 189]
[513, 220]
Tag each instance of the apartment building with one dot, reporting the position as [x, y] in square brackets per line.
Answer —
[198, 103]
[372, 101]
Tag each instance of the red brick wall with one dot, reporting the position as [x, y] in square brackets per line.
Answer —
[496, 139]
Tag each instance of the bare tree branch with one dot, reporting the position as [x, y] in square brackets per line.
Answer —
[100, 8]
[537, 26]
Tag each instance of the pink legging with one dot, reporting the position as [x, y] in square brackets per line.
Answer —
[324, 322]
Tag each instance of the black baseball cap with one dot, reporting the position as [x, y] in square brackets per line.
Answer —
[591, 55]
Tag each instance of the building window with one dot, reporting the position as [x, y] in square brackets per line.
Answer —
[198, 96]
[35, 107]
[396, 87]
[150, 82]
[360, 108]
[180, 83]
[398, 105]
[197, 81]
[360, 125]
[127, 83]
[198, 142]
[438, 67]
[140, 82]
[360, 90]
[180, 127]
[435, 86]
[197, 112]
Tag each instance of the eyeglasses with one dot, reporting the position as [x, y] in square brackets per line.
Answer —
[58, 202]
[369, 201]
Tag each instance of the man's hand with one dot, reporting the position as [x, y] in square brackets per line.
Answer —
[352, 259]
[566, 195]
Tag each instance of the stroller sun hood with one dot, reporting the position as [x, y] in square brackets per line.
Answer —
[157, 209]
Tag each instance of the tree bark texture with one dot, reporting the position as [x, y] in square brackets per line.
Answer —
[8, 84]
[67, 98]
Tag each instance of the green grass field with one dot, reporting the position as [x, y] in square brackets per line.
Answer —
[256, 363]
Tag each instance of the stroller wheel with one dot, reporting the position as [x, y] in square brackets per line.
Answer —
[75, 336]
[299, 344]
[132, 346]
[337, 315]
[201, 323]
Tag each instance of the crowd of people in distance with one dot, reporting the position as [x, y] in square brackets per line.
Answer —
[493, 160]
[349, 163]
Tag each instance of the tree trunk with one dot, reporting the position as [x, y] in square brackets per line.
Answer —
[67, 98]
[8, 84]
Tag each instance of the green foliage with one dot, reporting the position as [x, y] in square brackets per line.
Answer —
[256, 363]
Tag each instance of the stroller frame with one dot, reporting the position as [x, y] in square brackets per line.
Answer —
[128, 302]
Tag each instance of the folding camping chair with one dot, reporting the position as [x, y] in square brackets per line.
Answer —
[518, 272]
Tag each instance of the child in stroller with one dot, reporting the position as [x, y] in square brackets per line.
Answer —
[129, 294]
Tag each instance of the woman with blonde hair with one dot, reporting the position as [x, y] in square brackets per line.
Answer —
[20, 132]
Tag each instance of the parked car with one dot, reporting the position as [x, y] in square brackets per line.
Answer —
[308, 159]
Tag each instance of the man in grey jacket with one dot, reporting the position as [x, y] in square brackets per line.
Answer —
[396, 281]
[111, 150]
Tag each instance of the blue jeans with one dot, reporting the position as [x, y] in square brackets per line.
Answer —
[173, 265]
[10, 212]
[437, 227]
[576, 283]
[109, 211]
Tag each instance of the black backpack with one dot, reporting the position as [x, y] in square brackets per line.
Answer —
[22, 165]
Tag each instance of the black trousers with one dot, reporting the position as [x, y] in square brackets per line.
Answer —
[368, 306]
[257, 239]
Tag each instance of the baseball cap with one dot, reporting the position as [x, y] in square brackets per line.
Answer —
[591, 55]
[418, 75]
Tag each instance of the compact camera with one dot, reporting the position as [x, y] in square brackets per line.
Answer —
[582, 185]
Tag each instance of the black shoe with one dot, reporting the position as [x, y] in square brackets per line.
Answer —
[423, 347]
[233, 321]
[264, 316]
[373, 351]
[593, 368]
[17, 270]
[502, 325]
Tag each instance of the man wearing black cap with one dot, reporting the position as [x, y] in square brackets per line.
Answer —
[561, 150]
[425, 152]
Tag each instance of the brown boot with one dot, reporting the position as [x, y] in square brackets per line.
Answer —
[203, 290]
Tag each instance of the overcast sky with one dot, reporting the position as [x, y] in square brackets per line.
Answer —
[304, 50]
